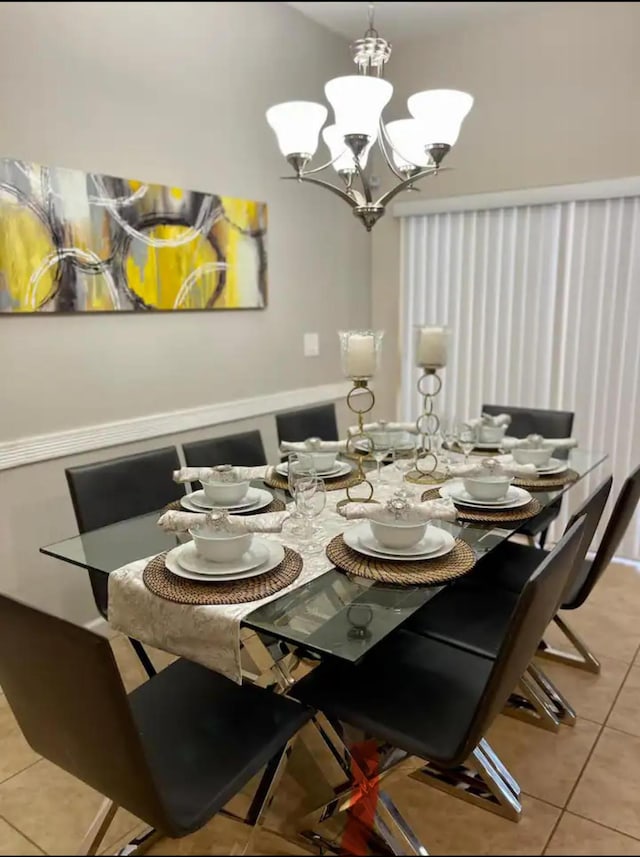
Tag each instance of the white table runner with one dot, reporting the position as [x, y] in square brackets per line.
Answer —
[210, 635]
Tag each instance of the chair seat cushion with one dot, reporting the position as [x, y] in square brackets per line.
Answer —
[471, 618]
[508, 567]
[206, 737]
[415, 693]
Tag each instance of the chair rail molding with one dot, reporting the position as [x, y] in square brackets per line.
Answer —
[59, 444]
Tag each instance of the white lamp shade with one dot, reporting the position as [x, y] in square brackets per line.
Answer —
[406, 138]
[340, 152]
[440, 113]
[296, 125]
[357, 102]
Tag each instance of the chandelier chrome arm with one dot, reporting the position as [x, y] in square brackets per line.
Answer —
[303, 177]
[384, 141]
[428, 171]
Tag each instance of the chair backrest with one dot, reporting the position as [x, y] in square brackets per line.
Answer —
[63, 686]
[110, 491]
[245, 449]
[620, 519]
[526, 421]
[536, 606]
[591, 510]
[308, 422]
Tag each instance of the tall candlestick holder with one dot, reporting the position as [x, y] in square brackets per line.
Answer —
[360, 358]
[428, 423]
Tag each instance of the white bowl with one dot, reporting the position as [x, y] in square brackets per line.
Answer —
[323, 461]
[397, 534]
[217, 546]
[539, 457]
[492, 434]
[225, 493]
[487, 487]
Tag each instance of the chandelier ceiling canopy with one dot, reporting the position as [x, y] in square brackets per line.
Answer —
[413, 148]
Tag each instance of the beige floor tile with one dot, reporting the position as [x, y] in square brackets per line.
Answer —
[617, 588]
[12, 842]
[591, 696]
[578, 836]
[15, 753]
[606, 631]
[625, 713]
[545, 764]
[610, 784]
[55, 809]
[225, 836]
[448, 825]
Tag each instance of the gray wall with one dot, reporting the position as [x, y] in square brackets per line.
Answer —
[556, 102]
[172, 93]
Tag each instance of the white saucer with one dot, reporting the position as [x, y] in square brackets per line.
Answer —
[190, 560]
[432, 541]
[273, 551]
[556, 465]
[257, 498]
[353, 539]
[515, 498]
[340, 469]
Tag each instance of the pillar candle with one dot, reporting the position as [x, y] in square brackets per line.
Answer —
[361, 355]
[432, 347]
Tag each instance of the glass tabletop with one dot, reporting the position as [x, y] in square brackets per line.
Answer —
[335, 614]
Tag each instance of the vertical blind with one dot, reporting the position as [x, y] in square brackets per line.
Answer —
[544, 306]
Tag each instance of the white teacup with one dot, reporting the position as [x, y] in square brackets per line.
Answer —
[225, 493]
[492, 434]
[323, 461]
[397, 534]
[218, 546]
[539, 457]
[487, 487]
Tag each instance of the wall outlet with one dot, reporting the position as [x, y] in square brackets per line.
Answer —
[311, 345]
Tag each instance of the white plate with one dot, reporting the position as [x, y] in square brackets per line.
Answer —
[259, 499]
[352, 538]
[515, 498]
[274, 551]
[431, 542]
[555, 465]
[340, 469]
[190, 560]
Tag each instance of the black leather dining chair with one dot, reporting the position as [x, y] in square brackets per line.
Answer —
[304, 423]
[245, 449]
[474, 613]
[435, 701]
[173, 752]
[548, 423]
[110, 491]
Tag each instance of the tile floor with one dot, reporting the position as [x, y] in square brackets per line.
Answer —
[581, 786]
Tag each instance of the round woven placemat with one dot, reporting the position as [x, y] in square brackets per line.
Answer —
[161, 582]
[274, 506]
[548, 483]
[429, 572]
[502, 516]
[347, 481]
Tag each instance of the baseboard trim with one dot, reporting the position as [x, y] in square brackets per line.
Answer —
[30, 450]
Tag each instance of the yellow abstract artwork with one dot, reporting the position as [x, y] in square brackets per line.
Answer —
[84, 242]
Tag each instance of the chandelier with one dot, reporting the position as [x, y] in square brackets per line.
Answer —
[413, 148]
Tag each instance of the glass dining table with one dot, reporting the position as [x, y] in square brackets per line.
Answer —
[335, 615]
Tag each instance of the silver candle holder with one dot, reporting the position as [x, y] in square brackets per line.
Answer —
[431, 346]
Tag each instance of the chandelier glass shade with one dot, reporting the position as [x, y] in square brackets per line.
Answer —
[412, 148]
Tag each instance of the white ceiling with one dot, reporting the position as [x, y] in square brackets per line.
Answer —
[396, 21]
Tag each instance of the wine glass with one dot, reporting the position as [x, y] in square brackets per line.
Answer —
[404, 461]
[381, 445]
[311, 499]
[300, 466]
[466, 436]
[448, 432]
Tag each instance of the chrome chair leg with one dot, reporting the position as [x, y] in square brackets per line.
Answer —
[563, 708]
[531, 704]
[582, 658]
[98, 828]
[265, 794]
[480, 781]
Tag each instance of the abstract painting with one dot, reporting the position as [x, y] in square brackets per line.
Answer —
[75, 242]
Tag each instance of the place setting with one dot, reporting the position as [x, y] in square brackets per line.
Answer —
[227, 560]
[226, 487]
[397, 543]
[485, 492]
[538, 451]
[315, 456]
